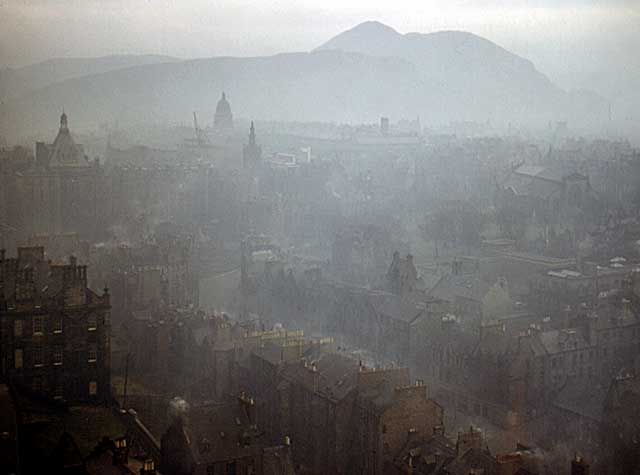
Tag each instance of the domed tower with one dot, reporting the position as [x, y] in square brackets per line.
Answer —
[223, 120]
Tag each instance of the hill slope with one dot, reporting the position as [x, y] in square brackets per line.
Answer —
[15, 82]
[440, 77]
[468, 64]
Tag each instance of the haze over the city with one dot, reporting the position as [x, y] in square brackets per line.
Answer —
[284, 237]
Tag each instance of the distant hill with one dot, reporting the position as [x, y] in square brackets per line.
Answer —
[357, 76]
[460, 63]
[15, 82]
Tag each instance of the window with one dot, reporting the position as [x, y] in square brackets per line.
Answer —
[231, 468]
[57, 356]
[149, 466]
[38, 356]
[57, 324]
[58, 392]
[38, 325]
[17, 358]
[92, 322]
[17, 328]
[92, 354]
[36, 383]
[93, 388]
[211, 470]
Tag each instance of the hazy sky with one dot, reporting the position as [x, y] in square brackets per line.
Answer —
[559, 36]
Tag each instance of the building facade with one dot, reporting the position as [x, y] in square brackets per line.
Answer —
[54, 330]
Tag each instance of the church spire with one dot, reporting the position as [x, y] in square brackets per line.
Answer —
[251, 153]
[252, 134]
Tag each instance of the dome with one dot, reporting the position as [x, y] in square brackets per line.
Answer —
[223, 120]
[223, 107]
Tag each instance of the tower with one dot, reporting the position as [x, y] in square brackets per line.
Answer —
[223, 119]
[251, 153]
[63, 121]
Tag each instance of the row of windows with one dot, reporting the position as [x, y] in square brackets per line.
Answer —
[230, 468]
[57, 356]
[38, 385]
[56, 325]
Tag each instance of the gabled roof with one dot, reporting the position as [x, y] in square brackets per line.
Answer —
[396, 307]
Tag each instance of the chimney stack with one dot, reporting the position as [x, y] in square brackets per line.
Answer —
[469, 440]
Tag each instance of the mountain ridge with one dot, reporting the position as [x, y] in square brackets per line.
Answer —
[438, 79]
[21, 80]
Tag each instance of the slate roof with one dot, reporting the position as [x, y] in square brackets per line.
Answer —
[558, 341]
[428, 456]
[220, 432]
[382, 395]
[586, 400]
[533, 181]
[337, 375]
[466, 286]
[396, 307]
[473, 458]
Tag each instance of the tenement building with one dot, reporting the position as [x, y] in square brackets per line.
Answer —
[54, 330]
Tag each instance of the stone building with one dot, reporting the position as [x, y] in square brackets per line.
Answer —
[61, 191]
[54, 329]
[345, 418]
[545, 207]
[221, 438]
